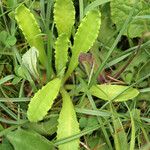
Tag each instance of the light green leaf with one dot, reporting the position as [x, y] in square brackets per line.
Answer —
[120, 10]
[29, 60]
[64, 16]
[27, 23]
[87, 32]
[61, 54]
[117, 93]
[133, 131]
[84, 38]
[43, 100]
[25, 140]
[120, 137]
[68, 124]
[6, 79]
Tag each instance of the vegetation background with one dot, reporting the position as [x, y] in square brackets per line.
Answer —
[92, 55]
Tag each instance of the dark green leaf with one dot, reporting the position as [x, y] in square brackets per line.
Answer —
[29, 140]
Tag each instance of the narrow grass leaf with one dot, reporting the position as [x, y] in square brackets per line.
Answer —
[64, 16]
[117, 60]
[73, 137]
[28, 140]
[8, 121]
[94, 4]
[67, 123]
[93, 112]
[116, 93]
[132, 142]
[23, 99]
[8, 111]
[31, 30]
[43, 100]
[120, 137]
[7, 78]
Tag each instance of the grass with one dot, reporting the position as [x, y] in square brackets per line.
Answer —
[103, 124]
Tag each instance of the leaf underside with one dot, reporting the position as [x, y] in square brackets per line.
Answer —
[43, 100]
[68, 124]
[116, 93]
[29, 59]
[27, 23]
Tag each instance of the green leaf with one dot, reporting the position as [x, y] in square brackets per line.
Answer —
[5, 145]
[120, 10]
[131, 71]
[67, 123]
[117, 93]
[29, 60]
[1, 127]
[87, 123]
[25, 140]
[48, 127]
[133, 131]
[144, 70]
[120, 137]
[87, 32]
[27, 23]
[95, 4]
[3, 36]
[43, 100]
[61, 54]
[11, 40]
[64, 16]
[21, 71]
[107, 30]
[84, 38]
[6, 79]
[11, 3]
[7, 39]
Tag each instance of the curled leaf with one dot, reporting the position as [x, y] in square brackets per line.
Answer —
[43, 100]
[68, 124]
[29, 59]
[117, 93]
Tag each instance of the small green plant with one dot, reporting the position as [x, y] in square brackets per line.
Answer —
[73, 37]
[84, 38]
